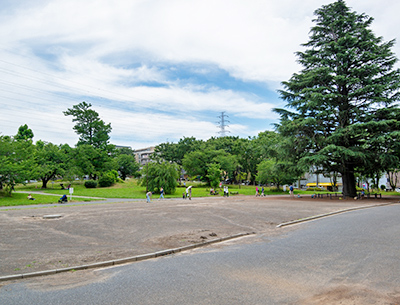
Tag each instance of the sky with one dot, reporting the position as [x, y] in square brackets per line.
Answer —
[156, 70]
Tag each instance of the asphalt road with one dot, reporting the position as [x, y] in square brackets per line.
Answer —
[351, 258]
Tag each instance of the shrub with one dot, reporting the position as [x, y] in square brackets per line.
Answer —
[315, 189]
[90, 184]
[106, 180]
[114, 173]
[273, 189]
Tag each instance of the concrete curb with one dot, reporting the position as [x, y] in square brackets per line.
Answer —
[331, 213]
[122, 260]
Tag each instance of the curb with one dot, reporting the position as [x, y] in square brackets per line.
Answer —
[120, 261]
[284, 224]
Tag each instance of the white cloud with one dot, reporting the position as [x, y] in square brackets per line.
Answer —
[56, 53]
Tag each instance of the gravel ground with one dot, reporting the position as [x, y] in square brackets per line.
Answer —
[90, 233]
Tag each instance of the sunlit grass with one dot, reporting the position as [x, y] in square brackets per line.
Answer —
[21, 199]
[130, 189]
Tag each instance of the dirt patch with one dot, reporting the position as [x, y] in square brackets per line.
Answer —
[99, 232]
[352, 295]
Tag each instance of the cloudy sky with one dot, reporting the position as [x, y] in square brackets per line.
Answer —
[157, 70]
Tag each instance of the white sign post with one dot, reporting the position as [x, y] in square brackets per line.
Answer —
[71, 190]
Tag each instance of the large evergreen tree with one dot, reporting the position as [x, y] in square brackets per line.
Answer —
[90, 128]
[344, 101]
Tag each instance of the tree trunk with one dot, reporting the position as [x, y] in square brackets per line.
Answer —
[44, 183]
[349, 183]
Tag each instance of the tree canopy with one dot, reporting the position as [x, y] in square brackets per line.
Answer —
[160, 175]
[16, 162]
[344, 111]
[90, 128]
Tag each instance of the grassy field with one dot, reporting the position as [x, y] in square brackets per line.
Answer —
[127, 189]
[21, 199]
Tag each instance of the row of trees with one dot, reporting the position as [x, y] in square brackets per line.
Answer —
[341, 118]
[22, 160]
[237, 159]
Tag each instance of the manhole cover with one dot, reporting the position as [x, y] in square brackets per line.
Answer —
[51, 216]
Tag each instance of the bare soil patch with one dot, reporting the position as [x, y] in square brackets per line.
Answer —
[98, 232]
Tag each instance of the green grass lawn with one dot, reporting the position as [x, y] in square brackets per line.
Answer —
[21, 199]
[127, 189]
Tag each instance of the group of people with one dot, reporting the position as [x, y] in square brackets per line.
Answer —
[63, 199]
[291, 191]
[149, 193]
[258, 192]
[226, 191]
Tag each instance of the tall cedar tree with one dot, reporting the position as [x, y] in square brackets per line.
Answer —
[344, 100]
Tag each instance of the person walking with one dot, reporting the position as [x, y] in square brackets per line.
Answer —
[189, 192]
[291, 190]
[262, 192]
[257, 194]
[161, 194]
[148, 196]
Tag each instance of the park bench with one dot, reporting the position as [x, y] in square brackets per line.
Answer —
[375, 195]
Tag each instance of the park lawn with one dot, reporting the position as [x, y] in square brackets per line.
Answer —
[21, 199]
[131, 189]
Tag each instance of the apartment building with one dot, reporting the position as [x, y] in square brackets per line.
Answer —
[142, 155]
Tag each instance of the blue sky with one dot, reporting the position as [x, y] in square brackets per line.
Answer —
[156, 70]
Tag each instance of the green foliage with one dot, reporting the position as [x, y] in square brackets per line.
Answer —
[214, 175]
[90, 184]
[277, 172]
[24, 133]
[90, 128]
[127, 165]
[16, 162]
[114, 173]
[274, 190]
[345, 113]
[175, 152]
[160, 175]
[197, 162]
[89, 160]
[50, 161]
[108, 178]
